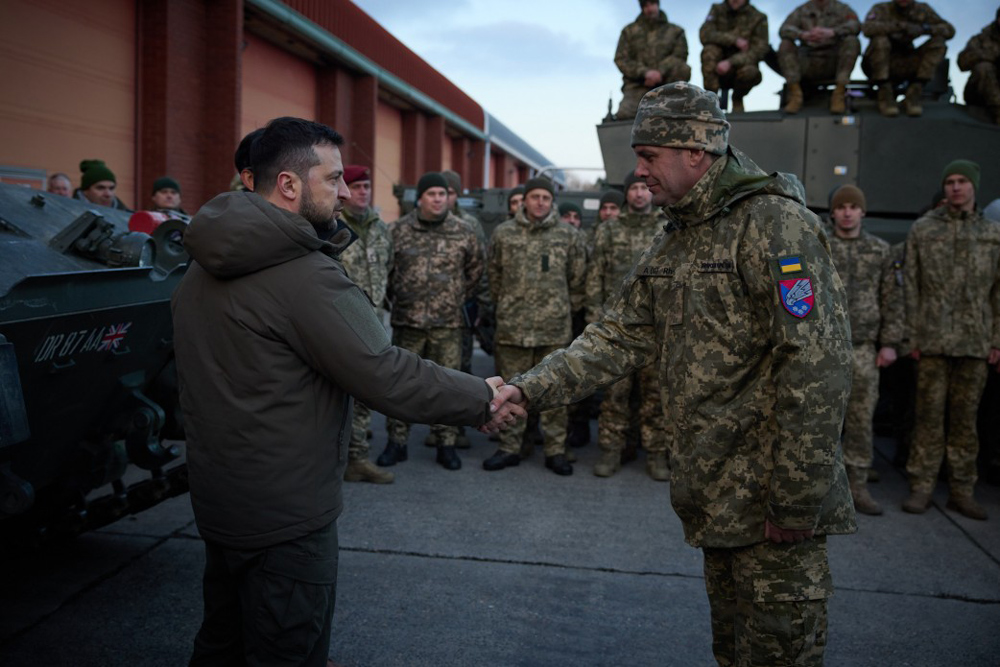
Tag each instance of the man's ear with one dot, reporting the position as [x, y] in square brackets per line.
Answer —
[289, 186]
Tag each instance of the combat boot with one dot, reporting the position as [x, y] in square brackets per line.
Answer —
[912, 100]
[966, 506]
[737, 103]
[610, 463]
[558, 464]
[838, 100]
[362, 470]
[793, 99]
[656, 466]
[887, 101]
[392, 454]
[863, 501]
[917, 503]
[448, 458]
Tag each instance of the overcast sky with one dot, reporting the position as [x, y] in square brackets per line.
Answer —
[546, 68]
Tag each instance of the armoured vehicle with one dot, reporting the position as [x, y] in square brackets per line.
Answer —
[85, 363]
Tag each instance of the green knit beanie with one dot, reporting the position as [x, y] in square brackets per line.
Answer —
[165, 182]
[568, 206]
[966, 168]
[95, 171]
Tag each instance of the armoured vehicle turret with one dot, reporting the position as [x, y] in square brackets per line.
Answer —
[86, 364]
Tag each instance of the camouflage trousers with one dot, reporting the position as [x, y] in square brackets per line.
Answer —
[803, 63]
[632, 91]
[885, 61]
[442, 346]
[739, 79]
[361, 421]
[982, 88]
[769, 603]
[953, 385]
[512, 360]
[857, 437]
[613, 424]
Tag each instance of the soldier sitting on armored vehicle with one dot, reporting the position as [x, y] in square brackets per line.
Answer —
[734, 39]
[891, 59]
[828, 46]
[651, 52]
[59, 184]
[97, 185]
[981, 57]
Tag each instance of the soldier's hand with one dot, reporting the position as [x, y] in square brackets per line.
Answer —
[653, 78]
[508, 405]
[914, 30]
[779, 535]
[723, 67]
[886, 357]
[915, 354]
[742, 44]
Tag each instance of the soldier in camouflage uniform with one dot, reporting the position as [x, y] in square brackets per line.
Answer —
[739, 304]
[734, 41]
[437, 266]
[827, 32]
[890, 57]
[953, 316]
[368, 261]
[981, 57]
[537, 270]
[617, 245]
[651, 51]
[875, 305]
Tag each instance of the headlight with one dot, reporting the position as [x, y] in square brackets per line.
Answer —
[131, 249]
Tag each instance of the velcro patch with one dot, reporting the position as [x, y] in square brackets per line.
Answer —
[360, 315]
[797, 296]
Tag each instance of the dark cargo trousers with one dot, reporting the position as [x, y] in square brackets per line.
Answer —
[271, 606]
[769, 603]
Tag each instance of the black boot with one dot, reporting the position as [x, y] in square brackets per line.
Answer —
[394, 453]
[501, 460]
[558, 464]
[448, 459]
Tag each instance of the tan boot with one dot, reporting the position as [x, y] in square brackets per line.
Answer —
[656, 466]
[863, 501]
[362, 470]
[917, 503]
[737, 103]
[887, 101]
[794, 98]
[838, 100]
[912, 100]
[610, 463]
[966, 506]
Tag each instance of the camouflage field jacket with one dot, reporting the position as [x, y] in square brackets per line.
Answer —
[369, 259]
[724, 26]
[739, 301]
[875, 300]
[644, 45]
[617, 245]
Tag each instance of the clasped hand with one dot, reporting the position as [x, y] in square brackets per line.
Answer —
[508, 405]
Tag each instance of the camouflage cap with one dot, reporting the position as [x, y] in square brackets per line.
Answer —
[681, 115]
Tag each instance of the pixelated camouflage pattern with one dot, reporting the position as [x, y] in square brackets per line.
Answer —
[981, 58]
[891, 31]
[361, 421]
[681, 115]
[861, 403]
[617, 417]
[812, 62]
[443, 346]
[756, 395]
[875, 301]
[618, 243]
[369, 259]
[436, 269]
[769, 603]
[512, 360]
[952, 386]
[649, 45]
[537, 274]
[719, 33]
[952, 277]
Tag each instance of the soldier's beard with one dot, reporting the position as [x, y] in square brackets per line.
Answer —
[322, 221]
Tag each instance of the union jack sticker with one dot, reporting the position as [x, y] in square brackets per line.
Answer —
[113, 337]
[797, 296]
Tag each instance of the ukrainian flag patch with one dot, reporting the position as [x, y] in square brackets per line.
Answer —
[789, 265]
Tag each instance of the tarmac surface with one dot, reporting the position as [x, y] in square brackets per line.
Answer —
[515, 568]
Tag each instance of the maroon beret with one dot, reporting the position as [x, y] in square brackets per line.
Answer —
[355, 172]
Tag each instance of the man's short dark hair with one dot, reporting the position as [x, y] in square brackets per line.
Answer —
[242, 157]
[287, 144]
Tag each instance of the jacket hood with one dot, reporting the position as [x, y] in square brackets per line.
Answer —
[238, 233]
[733, 177]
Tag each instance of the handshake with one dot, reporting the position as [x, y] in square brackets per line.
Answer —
[508, 405]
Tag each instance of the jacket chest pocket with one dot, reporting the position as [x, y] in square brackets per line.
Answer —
[718, 304]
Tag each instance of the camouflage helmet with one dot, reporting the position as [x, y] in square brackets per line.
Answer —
[681, 115]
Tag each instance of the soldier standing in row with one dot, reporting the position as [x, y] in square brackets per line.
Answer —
[875, 304]
[368, 262]
[437, 265]
[740, 304]
[952, 277]
[735, 40]
[617, 245]
[981, 57]
[890, 57]
[537, 270]
[827, 32]
[651, 52]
